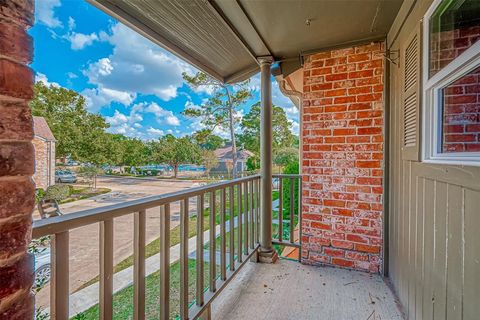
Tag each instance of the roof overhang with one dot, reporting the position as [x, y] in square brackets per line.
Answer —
[224, 38]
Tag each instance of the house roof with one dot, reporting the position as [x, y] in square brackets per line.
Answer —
[41, 129]
[225, 153]
[225, 38]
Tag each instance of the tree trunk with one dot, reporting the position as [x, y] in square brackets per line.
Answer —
[232, 134]
[175, 170]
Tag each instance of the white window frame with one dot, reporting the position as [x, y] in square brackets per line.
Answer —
[432, 105]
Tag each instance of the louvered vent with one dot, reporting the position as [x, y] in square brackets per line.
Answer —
[410, 121]
[411, 61]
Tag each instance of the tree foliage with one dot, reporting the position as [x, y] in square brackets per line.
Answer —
[175, 151]
[209, 160]
[79, 133]
[207, 140]
[285, 156]
[282, 135]
[221, 109]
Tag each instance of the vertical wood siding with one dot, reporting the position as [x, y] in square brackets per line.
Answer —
[434, 247]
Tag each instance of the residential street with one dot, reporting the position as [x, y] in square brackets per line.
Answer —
[84, 242]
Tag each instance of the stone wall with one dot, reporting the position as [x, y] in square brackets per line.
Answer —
[343, 136]
[17, 190]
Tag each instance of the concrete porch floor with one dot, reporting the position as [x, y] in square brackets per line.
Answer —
[290, 290]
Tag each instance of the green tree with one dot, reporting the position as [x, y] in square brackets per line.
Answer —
[250, 125]
[253, 163]
[290, 168]
[79, 133]
[133, 151]
[175, 151]
[209, 160]
[220, 111]
[207, 140]
[285, 156]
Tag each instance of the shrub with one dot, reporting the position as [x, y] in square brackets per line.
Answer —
[39, 194]
[58, 192]
[253, 163]
[290, 168]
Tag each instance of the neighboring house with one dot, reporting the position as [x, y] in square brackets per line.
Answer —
[44, 143]
[225, 158]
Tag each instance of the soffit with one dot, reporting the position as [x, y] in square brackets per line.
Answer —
[224, 37]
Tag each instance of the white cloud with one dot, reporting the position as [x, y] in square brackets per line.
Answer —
[155, 132]
[40, 77]
[71, 75]
[96, 98]
[190, 105]
[117, 119]
[71, 23]
[136, 66]
[291, 111]
[163, 116]
[125, 124]
[44, 13]
[295, 127]
[78, 41]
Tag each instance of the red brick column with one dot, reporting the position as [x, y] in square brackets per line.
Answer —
[343, 157]
[17, 191]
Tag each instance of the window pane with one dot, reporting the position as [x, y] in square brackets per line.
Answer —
[461, 114]
[454, 27]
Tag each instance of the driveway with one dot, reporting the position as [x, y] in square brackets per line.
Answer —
[84, 241]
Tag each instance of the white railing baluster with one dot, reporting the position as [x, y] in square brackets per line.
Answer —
[59, 283]
[245, 215]
[184, 259]
[223, 235]
[165, 262]
[292, 209]
[280, 209]
[213, 237]
[139, 265]
[106, 270]
[232, 228]
[199, 253]
[239, 219]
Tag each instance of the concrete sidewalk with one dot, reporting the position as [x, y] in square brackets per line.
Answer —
[86, 298]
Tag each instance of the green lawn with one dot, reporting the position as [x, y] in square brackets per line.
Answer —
[80, 193]
[153, 248]
[123, 300]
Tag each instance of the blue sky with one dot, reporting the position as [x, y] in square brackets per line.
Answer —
[136, 85]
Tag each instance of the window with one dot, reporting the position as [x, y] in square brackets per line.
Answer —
[451, 78]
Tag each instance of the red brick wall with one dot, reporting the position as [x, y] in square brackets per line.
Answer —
[445, 46]
[461, 114]
[343, 157]
[17, 191]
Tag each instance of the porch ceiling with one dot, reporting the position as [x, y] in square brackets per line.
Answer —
[224, 37]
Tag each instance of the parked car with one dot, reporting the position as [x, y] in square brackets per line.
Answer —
[65, 176]
[43, 267]
[71, 163]
[275, 183]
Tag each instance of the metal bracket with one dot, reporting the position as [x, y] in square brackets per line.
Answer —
[388, 53]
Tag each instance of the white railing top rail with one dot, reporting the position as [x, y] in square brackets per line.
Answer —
[82, 218]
